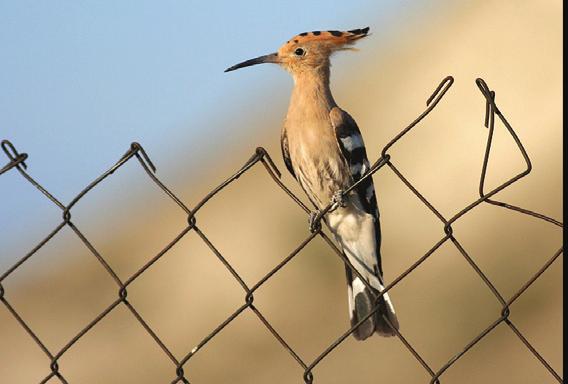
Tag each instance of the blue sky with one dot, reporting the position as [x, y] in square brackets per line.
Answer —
[81, 80]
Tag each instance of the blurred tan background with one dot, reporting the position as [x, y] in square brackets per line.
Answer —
[515, 47]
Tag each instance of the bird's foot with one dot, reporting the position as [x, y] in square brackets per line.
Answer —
[337, 200]
[314, 221]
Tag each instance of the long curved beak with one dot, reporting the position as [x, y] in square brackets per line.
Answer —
[270, 58]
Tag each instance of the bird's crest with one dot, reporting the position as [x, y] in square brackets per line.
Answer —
[338, 38]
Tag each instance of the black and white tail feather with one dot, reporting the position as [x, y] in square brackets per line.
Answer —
[362, 301]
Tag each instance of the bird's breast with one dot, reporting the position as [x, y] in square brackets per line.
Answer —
[316, 158]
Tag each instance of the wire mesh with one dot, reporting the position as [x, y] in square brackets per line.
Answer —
[17, 162]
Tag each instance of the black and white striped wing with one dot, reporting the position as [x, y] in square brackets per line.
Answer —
[353, 150]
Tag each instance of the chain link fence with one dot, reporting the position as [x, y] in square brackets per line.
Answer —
[17, 162]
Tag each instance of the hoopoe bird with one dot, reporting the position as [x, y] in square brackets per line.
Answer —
[324, 151]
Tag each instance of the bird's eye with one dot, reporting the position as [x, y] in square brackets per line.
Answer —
[299, 52]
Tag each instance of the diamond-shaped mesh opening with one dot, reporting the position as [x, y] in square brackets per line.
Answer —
[272, 222]
[116, 350]
[243, 352]
[125, 232]
[506, 360]
[508, 249]
[306, 300]
[446, 295]
[405, 214]
[60, 288]
[20, 202]
[186, 294]
[369, 362]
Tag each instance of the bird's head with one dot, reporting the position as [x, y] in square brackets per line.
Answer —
[308, 51]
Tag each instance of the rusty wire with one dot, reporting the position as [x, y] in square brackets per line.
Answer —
[17, 161]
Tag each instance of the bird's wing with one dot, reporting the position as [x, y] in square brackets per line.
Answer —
[286, 152]
[352, 148]
[361, 251]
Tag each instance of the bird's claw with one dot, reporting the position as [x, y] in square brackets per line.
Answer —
[337, 200]
[314, 221]
[315, 216]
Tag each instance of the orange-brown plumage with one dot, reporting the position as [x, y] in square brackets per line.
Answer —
[324, 150]
[315, 48]
[333, 37]
[332, 40]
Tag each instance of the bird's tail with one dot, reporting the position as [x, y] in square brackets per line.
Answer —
[362, 302]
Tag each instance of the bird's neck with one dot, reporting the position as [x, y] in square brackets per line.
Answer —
[311, 94]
